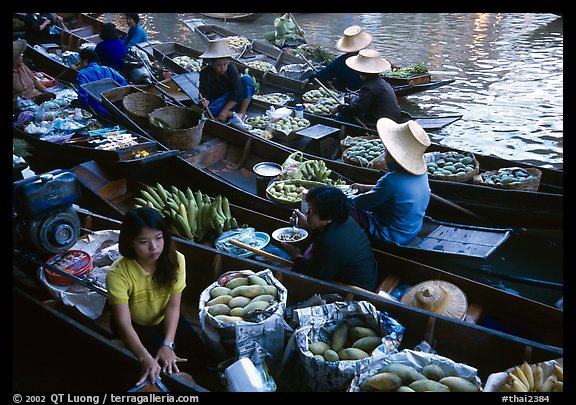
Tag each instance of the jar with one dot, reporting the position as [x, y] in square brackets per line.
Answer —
[299, 113]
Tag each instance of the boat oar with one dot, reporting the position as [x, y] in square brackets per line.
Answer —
[261, 252]
[298, 26]
[459, 208]
[207, 109]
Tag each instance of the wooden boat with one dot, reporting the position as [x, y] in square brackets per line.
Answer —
[167, 53]
[449, 337]
[239, 17]
[261, 50]
[96, 138]
[482, 205]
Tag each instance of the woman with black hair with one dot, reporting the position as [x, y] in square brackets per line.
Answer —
[144, 291]
[136, 33]
[341, 250]
[111, 49]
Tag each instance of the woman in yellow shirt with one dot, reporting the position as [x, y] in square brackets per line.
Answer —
[144, 291]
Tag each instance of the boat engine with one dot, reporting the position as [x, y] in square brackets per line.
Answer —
[43, 215]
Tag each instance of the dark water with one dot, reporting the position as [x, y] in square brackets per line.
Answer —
[508, 70]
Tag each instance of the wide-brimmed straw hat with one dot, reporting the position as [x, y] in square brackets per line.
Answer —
[354, 39]
[406, 142]
[438, 296]
[18, 48]
[218, 48]
[368, 61]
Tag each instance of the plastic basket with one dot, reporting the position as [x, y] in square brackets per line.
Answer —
[139, 105]
[185, 127]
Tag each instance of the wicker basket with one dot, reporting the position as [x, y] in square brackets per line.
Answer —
[185, 127]
[441, 161]
[527, 183]
[138, 105]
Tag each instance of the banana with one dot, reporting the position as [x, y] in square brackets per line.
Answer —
[517, 386]
[528, 373]
[233, 223]
[140, 201]
[538, 378]
[182, 196]
[172, 204]
[198, 197]
[161, 192]
[154, 194]
[513, 379]
[184, 214]
[151, 200]
[558, 371]
[189, 193]
[559, 386]
[192, 214]
[520, 374]
[548, 385]
[174, 194]
[226, 208]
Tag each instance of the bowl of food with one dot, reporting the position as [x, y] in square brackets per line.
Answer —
[290, 234]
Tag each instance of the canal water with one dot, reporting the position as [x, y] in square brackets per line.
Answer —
[507, 67]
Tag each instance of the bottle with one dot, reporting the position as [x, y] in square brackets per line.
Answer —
[299, 113]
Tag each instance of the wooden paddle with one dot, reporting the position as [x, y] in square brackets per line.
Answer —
[207, 109]
[297, 26]
[261, 252]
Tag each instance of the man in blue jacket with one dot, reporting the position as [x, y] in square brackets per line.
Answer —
[91, 71]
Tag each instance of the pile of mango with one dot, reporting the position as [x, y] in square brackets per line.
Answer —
[449, 164]
[289, 191]
[312, 96]
[363, 151]
[512, 177]
[399, 377]
[272, 98]
[192, 65]
[262, 65]
[350, 340]
[237, 42]
[290, 124]
[239, 297]
[258, 121]
[323, 106]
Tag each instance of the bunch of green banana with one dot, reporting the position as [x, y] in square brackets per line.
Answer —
[316, 170]
[193, 215]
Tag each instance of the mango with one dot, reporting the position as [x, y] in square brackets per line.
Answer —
[404, 388]
[358, 332]
[331, 355]
[249, 291]
[239, 301]
[428, 385]
[218, 309]
[407, 373]
[458, 384]
[318, 347]
[353, 353]
[221, 299]
[256, 305]
[217, 291]
[368, 343]
[264, 297]
[384, 382]
[235, 282]
[433, 372]
[228, 318]
[270, 289]
[339, 336]
[256, 280]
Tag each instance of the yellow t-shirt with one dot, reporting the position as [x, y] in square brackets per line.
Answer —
[128, 283]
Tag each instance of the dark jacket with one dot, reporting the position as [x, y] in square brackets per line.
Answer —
[339, 74]
[111, 52]
[375, 100]
[342, 252]
[213, 87]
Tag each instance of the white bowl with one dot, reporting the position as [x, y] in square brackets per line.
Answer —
[283, 234]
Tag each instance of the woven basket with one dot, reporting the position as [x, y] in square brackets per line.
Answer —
[185, 129]
[528, 183]
[138, 105]
[461, 175]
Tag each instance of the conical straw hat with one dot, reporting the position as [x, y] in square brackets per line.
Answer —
[438, 296]
[218, 48]
[406, 142]
[368, 61]
[354, 40]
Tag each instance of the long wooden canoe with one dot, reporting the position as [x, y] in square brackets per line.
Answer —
[449, 337]
[263, 51]
[476, 205]
[239, 17]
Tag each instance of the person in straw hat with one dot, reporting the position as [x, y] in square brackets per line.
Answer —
[376, 98]
[393, 209]
[338, 74]
[222, 89]
[25, 83]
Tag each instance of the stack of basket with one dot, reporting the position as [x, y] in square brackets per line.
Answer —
[138, 105]
[176, 127]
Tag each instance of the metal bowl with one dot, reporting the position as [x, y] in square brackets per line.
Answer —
[290, 234]
[268, 169]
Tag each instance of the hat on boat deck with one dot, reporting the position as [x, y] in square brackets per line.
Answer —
[218, 48]
[18, 48]
[368, 61]
[354, 40]
[438, 296]
[405, 142]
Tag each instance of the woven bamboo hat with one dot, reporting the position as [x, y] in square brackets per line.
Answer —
[354, 39]
[438, 296]
[406, 142]
[368, 61]
[218, 48]
[18, 48]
